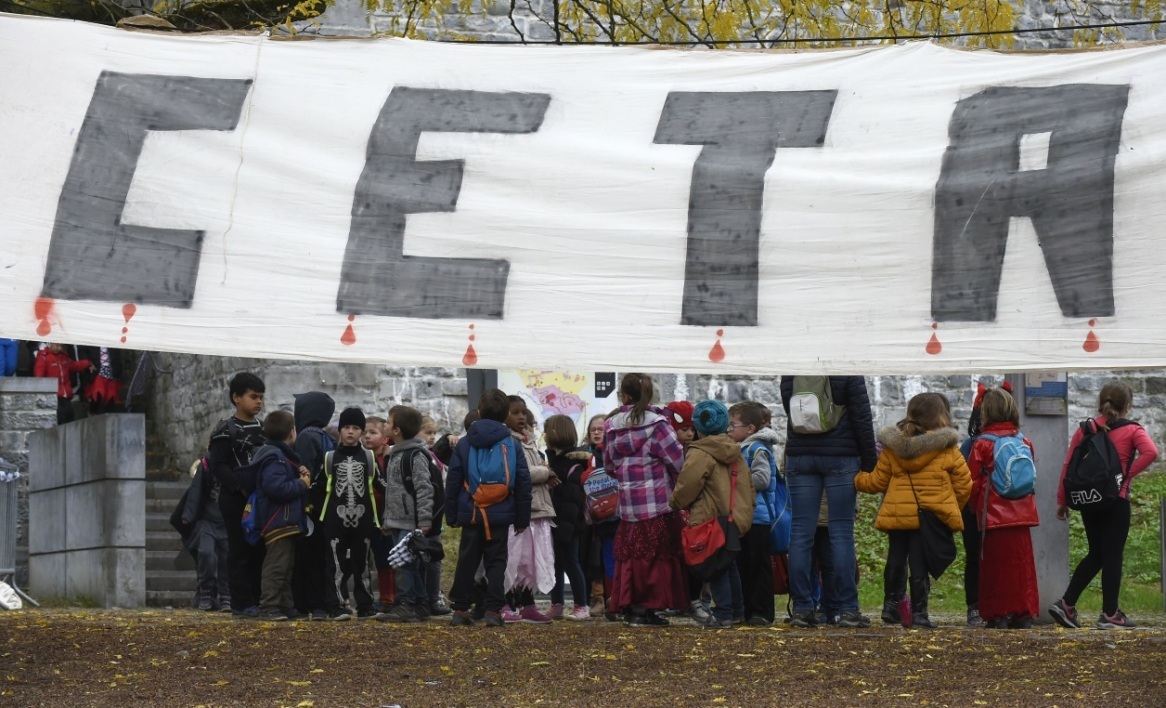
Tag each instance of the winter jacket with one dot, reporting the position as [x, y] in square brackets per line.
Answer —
[514, 510]
[1002, 513]
[1127, 439]
[933, 464]
[279, 502]
[854, 434]
[645, 459]
[233, 443]
[59, 366]
[569, 498]
[703, 487]
[408, 487]
[313, 411]
[541, 506]
[93, 354]
[762, 467]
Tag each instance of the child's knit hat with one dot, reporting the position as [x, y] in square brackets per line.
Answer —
[351, 416]
[679, 414]
[710, 418]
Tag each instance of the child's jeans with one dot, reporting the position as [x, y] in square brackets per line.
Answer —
[567, 562]
[729, 601]
[410, 579]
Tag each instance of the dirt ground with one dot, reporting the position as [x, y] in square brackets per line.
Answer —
[184, 658]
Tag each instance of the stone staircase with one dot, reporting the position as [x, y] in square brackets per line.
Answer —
[165, 585]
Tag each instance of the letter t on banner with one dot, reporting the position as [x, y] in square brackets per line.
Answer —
[740, 133]
[377, 277]
[92, 255]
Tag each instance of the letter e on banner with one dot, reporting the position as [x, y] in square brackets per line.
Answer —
[377, 277]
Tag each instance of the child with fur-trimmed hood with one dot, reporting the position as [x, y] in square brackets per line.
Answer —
[920, 467]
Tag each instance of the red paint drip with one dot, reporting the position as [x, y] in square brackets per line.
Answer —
[128, 310]
[349, 336]
[1092, 343]
[933, 346]
[717, 353]
[123, 340]
[43, 308]
[471, 356]
[44, 328]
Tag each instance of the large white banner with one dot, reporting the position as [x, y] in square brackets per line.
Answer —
[904, 209]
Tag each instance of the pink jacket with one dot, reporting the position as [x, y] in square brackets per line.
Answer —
[1126, 440]
[645, 458]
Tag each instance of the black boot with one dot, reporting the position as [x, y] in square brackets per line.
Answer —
[920, 590]
[891, 612]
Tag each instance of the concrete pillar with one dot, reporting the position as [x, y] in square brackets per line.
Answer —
[87, 511]
[1050, 540]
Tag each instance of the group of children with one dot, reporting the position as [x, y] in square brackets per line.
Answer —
[616, 515]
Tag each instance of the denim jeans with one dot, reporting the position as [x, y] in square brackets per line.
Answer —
[410, 579]
[729, 601]
[808, 476]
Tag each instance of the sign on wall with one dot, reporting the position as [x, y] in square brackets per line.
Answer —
[905, 209]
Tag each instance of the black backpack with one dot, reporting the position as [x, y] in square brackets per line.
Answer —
[1095, 475]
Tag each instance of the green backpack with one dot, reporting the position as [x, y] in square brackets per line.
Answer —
[812, 410]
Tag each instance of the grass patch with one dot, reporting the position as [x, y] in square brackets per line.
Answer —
[1141, 590]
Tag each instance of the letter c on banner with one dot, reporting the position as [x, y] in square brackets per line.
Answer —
[92, 252]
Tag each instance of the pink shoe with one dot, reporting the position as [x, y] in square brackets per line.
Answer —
[531, 614]
[557, 611]
[508, 615]
[581, 612]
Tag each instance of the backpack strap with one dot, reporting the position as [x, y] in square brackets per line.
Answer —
[732, 489]
[328, 482]
[371, 460]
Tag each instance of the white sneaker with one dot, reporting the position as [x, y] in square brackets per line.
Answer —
[9, 600]
[698, 612]
[581, 612]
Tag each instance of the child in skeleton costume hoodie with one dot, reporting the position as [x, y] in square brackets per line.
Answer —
[349, 515]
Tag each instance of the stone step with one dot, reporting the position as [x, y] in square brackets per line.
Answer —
[172, 580]
[166, 490]
[159, 541]
[161, 506]
[164, 561]
[158, 522]
[169, 598]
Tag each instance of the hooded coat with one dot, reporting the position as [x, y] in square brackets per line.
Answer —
[996, 512]
[313, 412]
[644, 457]
[514, 510]
[930, 462]
[762, 467]
[568, 497]
[705, 479]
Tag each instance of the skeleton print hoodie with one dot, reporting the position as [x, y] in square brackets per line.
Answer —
[349, 503]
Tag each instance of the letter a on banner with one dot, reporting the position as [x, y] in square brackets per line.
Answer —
[92, 252]
[1070, 200]
[377, 277]
[740, 133]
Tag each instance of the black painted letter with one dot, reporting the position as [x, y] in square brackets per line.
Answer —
[741, 133]
[1070, 201]
[93, 256]
[377, 278]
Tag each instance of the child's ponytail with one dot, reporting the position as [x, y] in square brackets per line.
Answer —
[637, 389]
[925, 412]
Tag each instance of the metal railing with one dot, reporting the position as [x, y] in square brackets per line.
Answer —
[9, 492]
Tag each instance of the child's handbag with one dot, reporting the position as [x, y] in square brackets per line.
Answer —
[938, 541]
[710, 547]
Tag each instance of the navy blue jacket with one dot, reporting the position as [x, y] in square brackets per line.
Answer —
[852, 437]
[279, 503]
[459, 507]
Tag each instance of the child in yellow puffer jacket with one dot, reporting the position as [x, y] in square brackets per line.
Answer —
[920, 468]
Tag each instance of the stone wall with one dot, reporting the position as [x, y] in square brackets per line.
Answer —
[26, 405]
[87, 507]
[492, 21]
[189, 396]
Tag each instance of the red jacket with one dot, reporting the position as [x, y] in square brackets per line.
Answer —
[1002, 513]
[1127, 440]
[50, 364]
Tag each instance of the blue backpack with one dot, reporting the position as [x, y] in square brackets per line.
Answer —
[490, 476]
[776, 500]
[1013, 467]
